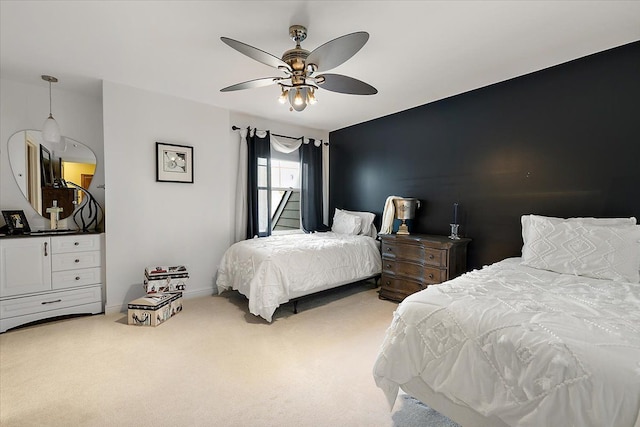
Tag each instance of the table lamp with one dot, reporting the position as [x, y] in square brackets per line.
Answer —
[405, 209]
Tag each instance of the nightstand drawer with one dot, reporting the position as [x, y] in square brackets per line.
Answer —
[415, 252]
[414, 270]
[397, 289]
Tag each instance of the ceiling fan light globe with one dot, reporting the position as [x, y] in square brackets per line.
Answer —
[297, 100]
[283, 96]
[311, 98]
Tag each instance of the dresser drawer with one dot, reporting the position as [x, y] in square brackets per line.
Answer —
[416, 271]
[73, 278]
[50, 301]
[415, 252]
[397, 289]
[75, 243]
[76, 260]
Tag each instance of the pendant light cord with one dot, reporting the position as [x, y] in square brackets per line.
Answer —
[50, 115]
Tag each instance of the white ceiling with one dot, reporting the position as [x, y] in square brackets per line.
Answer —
[418, 51]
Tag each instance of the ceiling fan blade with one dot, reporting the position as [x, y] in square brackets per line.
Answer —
[344, 84]
[266, 81]
[335, 52]
[255, 53]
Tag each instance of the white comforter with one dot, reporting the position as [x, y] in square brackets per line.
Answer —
[532, 347]
[272, 270]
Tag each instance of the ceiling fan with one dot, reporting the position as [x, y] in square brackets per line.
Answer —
[299, 65]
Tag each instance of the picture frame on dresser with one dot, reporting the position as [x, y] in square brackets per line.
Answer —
[16, 222]
[174, 163]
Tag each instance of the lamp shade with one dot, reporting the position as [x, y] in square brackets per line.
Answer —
[406, 208]
[51, 131]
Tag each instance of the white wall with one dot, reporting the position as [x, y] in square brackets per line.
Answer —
[26, 106]
[147, 223]
[153, 223]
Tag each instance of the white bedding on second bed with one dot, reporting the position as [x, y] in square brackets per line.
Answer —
[528, 346]
[272, 270]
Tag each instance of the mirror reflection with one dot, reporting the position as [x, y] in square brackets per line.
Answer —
[47, 175]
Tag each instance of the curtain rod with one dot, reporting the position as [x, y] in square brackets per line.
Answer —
[234, 127]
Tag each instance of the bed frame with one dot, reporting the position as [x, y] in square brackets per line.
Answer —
[295, 300]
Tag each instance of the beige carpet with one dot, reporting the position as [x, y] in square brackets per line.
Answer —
[213, 364]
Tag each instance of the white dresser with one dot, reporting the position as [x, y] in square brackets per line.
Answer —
[48, 276]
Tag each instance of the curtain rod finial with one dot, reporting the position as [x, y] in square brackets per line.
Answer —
[234, 127]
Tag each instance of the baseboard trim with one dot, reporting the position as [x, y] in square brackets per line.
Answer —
[111, 309]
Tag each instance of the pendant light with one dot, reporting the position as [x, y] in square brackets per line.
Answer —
[50, 128]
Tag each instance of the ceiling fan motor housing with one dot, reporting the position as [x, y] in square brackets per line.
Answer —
[296, 58]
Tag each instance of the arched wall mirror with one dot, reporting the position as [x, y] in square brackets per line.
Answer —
[45, 174]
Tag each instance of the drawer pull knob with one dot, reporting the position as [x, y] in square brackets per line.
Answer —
[389, 266]
[430, 275]
[76, 243]
[77, 277]
[77, 260]
[51, 302]
[431, 256]
[388, 283]
[389, 249]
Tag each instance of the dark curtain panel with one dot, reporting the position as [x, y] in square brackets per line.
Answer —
[259, 186]
[311, 187]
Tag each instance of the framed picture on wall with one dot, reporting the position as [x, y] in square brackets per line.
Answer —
[16, 222]
[174, 163]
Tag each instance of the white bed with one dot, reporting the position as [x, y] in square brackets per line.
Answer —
[272, 270]
[517, 345]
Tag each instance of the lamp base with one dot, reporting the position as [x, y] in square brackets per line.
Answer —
[403, 229]
[454, 232]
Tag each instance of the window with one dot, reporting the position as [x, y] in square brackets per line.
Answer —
[285, 176]
[285, 193]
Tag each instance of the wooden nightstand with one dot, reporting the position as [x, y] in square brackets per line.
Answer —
[412, 262]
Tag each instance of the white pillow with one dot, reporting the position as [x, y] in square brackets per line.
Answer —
[344, 223]
[367, 222]
[526, 220]
[583, 249]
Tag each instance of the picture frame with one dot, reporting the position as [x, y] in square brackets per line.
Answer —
[174, 163]
[16, 222]
[46, 167]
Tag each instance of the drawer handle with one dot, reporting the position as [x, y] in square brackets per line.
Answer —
[430, 275]
[45, 249]
[77, 260]
[389, 266]
[51, 302]
[388, 283]
[77, 277]
[431, 256]
[76, 243]
[389, 249]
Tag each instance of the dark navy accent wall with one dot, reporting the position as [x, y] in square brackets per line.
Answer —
[564, 141]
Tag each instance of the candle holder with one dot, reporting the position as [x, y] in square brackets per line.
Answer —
[454, 232]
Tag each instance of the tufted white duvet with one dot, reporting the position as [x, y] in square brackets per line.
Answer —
[272, 270]
[528, 346]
